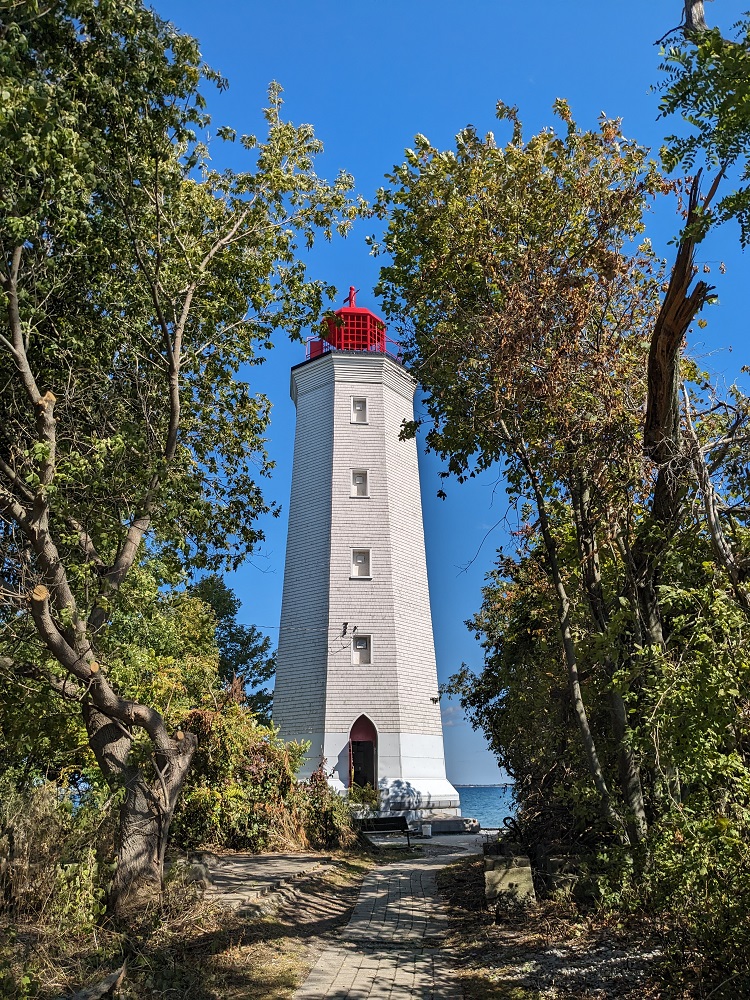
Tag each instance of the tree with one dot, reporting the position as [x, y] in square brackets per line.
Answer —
[527, 304]
[520, 701]
[533, 322]
[547, 340]
[245, 657]
[135, 283]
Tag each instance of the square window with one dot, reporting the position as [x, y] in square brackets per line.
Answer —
[361, 650]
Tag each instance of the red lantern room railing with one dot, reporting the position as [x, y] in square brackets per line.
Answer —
[353, 329]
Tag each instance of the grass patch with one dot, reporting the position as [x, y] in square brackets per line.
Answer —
[192, 949]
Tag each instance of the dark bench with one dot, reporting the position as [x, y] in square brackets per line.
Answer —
[385, 824]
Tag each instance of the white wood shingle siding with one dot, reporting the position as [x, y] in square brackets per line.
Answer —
[319, 691]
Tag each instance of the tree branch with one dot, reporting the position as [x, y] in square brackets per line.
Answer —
[17, 347]
[17, 484]
[694, 18]
[722, 548]
[679, 308]
[67, 687]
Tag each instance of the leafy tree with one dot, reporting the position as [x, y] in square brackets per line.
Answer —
[547, 340]
[135, 282]
[527, 307]
[159, 646]
[704, 83]
[245, 657]
[534, 323]
[520, 701]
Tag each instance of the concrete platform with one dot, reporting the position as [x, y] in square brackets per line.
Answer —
[443, 843]
[441, 822]
[509, 879]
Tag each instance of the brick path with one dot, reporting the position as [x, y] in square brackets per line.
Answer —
[240, 880]
[391, 947]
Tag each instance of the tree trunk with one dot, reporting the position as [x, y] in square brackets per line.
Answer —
[628, 769]
[569, 649]
[629, 772]
[146, 813]
[695, 18]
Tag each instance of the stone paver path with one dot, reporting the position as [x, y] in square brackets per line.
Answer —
[238, 880]
[391, 947]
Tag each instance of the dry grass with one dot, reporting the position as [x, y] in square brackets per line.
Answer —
[548, 952]
[192, 950]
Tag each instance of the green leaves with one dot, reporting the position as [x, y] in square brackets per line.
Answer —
[139, 286]
[527, 299]
[142, 268]
[706, 85]
[519, 289]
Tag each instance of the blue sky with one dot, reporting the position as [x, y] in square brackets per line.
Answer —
[371, 76]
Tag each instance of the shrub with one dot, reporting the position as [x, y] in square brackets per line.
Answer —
[364, 798]
[56, 850]
[699, 876]
[326, 816]
[236, 791]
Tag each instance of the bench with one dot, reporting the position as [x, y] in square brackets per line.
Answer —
[386, 824]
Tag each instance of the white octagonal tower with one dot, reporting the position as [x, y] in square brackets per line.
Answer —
[356, 674]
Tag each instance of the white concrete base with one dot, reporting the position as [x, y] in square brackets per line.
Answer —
[410, 771]
[422, 795]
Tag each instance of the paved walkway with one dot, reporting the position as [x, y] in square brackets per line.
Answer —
[391, 947]
[239, 880]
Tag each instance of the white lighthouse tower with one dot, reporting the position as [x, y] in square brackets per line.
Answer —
[356, 674]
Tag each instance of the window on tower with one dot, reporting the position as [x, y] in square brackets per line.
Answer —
[360, 564]
[359, 410]
[360, 486]
[361, 650]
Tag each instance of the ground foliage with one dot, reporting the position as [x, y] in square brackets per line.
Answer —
[189, 947]
[507, 951]
[616, 686]
[59, 817]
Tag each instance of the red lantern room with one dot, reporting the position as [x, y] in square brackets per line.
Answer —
[352, 329]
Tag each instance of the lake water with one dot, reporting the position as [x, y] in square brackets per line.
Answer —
[490, 804]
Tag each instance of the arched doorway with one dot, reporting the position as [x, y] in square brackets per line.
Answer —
[363, 743]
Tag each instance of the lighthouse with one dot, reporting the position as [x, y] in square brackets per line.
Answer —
[356, 676]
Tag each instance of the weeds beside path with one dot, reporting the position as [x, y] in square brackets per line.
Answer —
[192, 948]
[197, 951]
[546, 953]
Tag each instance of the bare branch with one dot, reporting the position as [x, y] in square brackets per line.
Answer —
[722, 548]
[17, 345]
[14, 510]
[680, 306]
[18, 485]
[66, 687]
